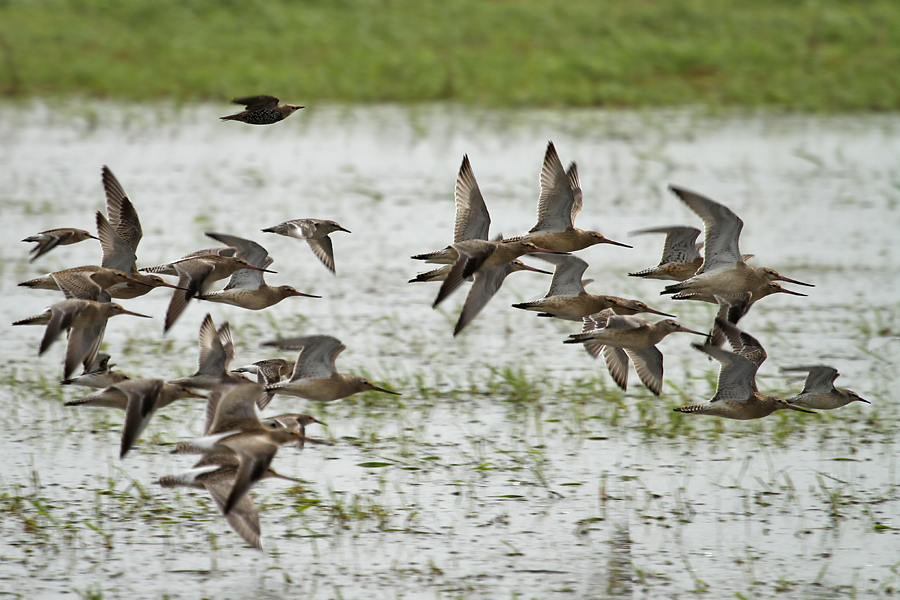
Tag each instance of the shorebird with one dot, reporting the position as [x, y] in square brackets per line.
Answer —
[139, 398]
[169, 267]
[85, 283]
[50, 239]
[261, 110]
[559, 204]
[216, 353]
[270, 370]
[737, 396]
[315, 376]
[724, 271]
[315, 233]
[734, 308]
[240, 432]
[567, 298]
[624, 336]
[98, 374]
[247, 288]
[119, 238]
[473, 221]
[83, 319]
[681, 256]
[228, 412]
[216, 473]
[819, 391]
[196, 274]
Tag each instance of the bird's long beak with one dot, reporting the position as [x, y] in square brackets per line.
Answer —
[686, 330]
[653, 311]
[792, 292]
[252, 268]
[345, 230]
[790, 406]
[277, 475]
[138, 281]
[780, 278]
[528, 268]
[314, 296]
[864, 400]
[134, 314]
[380, 389]
[606, 240]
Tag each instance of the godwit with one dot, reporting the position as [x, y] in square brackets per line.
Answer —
[479, 256]
[567, 298]
[247, 288]
[216, 353]
[169, 267]
[315, 233]
[315, 376]
[139, 398]
[483, 289]
[559, 204]
[724, 271]
[240, 432]
[98, 374]
[50, 239]
[733, 308]
[216, 473]
[196, 274]
[629, 336]
[473, 221]
[84, 283]
[83, 319]
[737, 396]
[819, 391]
[680, 258]
[261, 110]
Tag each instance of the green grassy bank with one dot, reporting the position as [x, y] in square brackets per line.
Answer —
[808, 56]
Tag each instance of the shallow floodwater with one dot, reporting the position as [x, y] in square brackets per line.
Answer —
[511, 466]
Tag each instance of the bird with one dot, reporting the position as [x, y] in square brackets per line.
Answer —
[270, 370]
[315, 233]
[559, 204]
[315, 376]
[239, 431]
[139, 398]
[216, 353]
[216, 473]
[724, 271]
[82, 319]
[196, 274]
[567, 298]
[819, 391]
[169, 267]
[85, 282]
[737, 396]
[624, 336]
[261, 110]
[50, 239]
[98, 374]
[472, 222]
[734, 308]
[681, 256]
[247, 288]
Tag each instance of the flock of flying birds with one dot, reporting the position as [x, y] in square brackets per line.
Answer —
[239, 444]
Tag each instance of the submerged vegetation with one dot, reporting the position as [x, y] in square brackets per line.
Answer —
[823, 55]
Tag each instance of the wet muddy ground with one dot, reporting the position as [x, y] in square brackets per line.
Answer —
[511, 466]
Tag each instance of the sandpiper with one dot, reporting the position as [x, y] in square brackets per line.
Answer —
[559, 204]
[216, 353]
[85, 321]
[315, 233]
[737, 396]
[196, 274]
[681, 256]
[567, 298]
[50, 239]
[261, 110]
[139, 398]
[216, 473]
[270, 370]
[819, 391]
[98, 374]
[85, 282]
[315, 376]
[247, 288]
[724, 271]
[623, 336]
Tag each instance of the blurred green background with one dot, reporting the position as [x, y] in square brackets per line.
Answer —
[819, 56]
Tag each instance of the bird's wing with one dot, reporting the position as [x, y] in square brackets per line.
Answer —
[256, 102]
[116, 253]
[122, 214]
[723, 230]
[648, 362]
[617, 365]
[737, 375]
[249, 250]
[141, 404]
[567, 276]
[486, 285]
[472, 218]
[244, 516]
[557, 199]
[323, 250]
